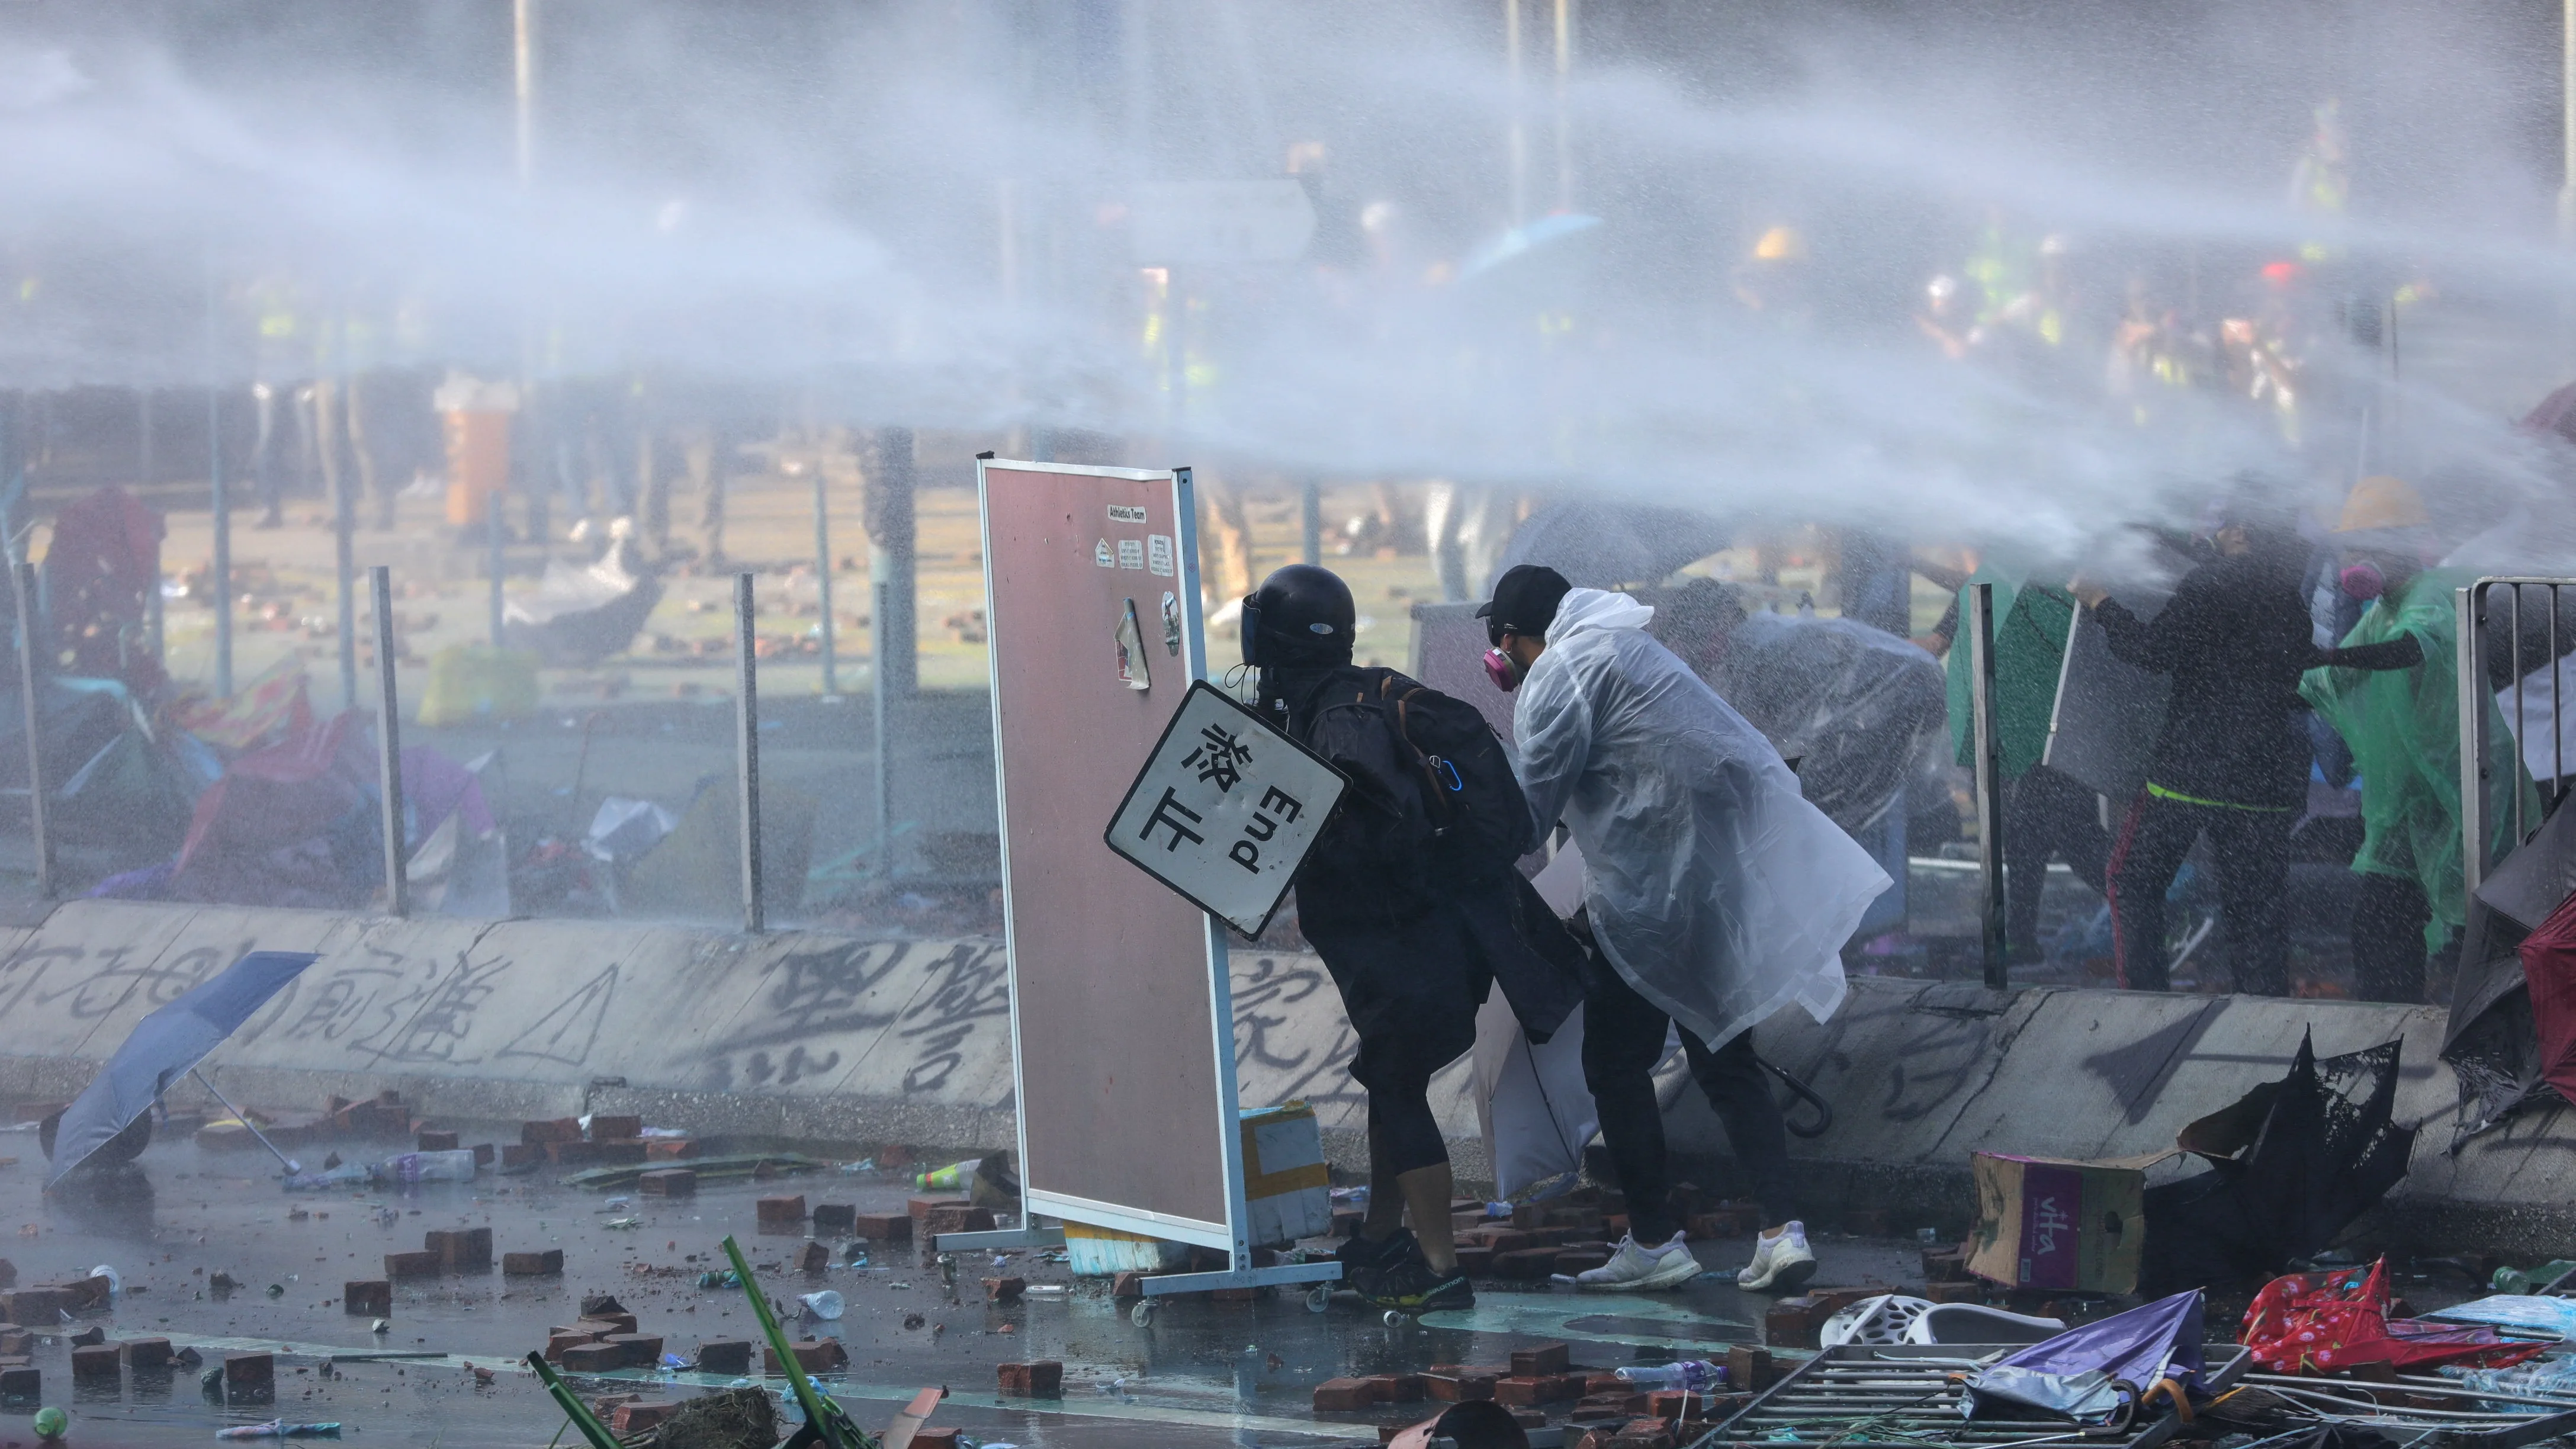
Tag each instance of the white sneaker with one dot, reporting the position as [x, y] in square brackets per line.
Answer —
[1781, 1264]
[1636, 1268]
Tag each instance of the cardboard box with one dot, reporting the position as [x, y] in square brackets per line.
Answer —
[1286, 1187]
[2043, 1223]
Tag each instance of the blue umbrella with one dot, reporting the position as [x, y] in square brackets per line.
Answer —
[163, 1047]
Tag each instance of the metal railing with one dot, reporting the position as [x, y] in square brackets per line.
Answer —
[2513, 659]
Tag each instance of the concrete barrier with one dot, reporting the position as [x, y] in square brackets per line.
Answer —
[804, 1034]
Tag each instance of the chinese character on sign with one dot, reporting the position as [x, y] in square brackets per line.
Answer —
[1162, 817]
[1220, 761]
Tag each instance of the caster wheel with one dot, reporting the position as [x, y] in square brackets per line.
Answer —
[1394, 1316]
[1142, 1315]
[1319, 1297]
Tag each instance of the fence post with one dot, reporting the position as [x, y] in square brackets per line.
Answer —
[746, 733]
[23, 579]
[2469, 605]
[389, 745]
[1990, 834]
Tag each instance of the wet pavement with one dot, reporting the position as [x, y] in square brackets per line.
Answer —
[1204, 1372]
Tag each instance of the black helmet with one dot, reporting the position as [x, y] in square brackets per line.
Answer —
[1301, 614]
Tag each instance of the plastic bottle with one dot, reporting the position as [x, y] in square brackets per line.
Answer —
[1693, 1376]
[825, 1305]
[952, 1177]
[720, 1278]
[457, 1166]
[2529, 1280]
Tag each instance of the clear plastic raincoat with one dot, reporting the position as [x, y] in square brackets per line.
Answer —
[1715, 889]
[2404, 729]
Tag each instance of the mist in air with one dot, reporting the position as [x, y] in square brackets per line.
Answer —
[1713, 275]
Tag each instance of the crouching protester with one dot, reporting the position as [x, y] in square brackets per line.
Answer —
[1714, 894]
[1412, 898]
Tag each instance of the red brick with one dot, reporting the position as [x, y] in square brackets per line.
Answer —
[958, 1220]
[1525, 1263]
[1748, 1369]
[1542, 1358]
[1955, 1292]
[605, 1324]
[16, 1340]
[1005, 1290]
[250, 1370]
[725, 1356]
[542, 1263]
[619, 1152]
[437, 1141]
[21, 1384]
[636, 1418]
[1603, 1383]
[814, 1257]
[612, 1129]
[562, 1339]
[573, 1153]
[459, 1247]
[775, 1212]
[643, 1350]
[80, 1293]
[1643, 1434]
[561, 1129]
[484, 1152]
[814, 1355]
[833, 1219]
[1043, 1379]
[1519, 1389]
[1597, 1414]
[96, 1361]
[920, 1207]
[373, 1298]
[882, 1227]
[146, 1354]
[413, 1265]
[1343, 1396]
[585, 1358]
[522, 1154]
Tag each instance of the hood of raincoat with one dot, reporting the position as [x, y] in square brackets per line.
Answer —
[1715, 889]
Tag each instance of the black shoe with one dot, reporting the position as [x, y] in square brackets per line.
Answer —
[1409, 1284]
[1361, 1258]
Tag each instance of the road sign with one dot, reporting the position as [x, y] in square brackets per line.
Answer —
[1204, 223]
[1225, 809]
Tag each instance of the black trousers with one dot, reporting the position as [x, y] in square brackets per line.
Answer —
[2048, 814]
[2253, 865]
[1623, 1038]
[2389, 914]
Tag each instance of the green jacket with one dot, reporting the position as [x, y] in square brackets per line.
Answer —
[2404, 729]
[2031, 624]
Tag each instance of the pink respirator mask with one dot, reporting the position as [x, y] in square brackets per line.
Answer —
[1500, 669]
[2362, 581]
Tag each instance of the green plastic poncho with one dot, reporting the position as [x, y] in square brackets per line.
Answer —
[2404, 729]
[2031, 625]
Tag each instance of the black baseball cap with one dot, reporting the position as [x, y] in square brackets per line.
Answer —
[1524, 602]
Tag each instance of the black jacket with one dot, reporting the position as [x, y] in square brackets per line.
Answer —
[1353, 913]
[2234, 639]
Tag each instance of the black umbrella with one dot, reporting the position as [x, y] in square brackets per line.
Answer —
[1605, 545]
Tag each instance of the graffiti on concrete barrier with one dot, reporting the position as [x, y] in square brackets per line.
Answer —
[1278, 1002]
[567, 1033]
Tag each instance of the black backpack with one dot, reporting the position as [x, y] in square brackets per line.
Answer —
[1433, 802]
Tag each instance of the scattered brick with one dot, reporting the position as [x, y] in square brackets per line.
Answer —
[1748, 1369]
[562, 1339]
[1041, 1380]
[249, 1372]
[21, 1384]
[1343, 1396]
[919, 1208]
[373, 1298]
[781, 1212]
[958, 1220]
[96, 1361]
[1969, 1292]
[619, 1152]
[413, 1265]
[636, 1418]
[642, 1350]
[16, 1340]
[1643, 1434]
[1524, 1389]
[437, 1141]
[522, 1154]
[726, 1356]
[484, 1152]
[561, 1129]
[145, 1355]
[459, 1247]
[1542, 1358]
[814, 1258]
[834, 1218]
[542, 1263]
[814, 1355]
[88, 1336]
[606, 1323]
[1525, 1263]
[612, 1129]
[1004, 1290]
[882, 1227]
[592, 1357]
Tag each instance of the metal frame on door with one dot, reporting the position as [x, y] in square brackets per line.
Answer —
[1231, 1236]
[2477, 702]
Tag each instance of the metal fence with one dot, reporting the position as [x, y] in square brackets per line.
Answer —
[2515, 638]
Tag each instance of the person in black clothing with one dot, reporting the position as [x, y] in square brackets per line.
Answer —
[2232, 758]
[1413, 952]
